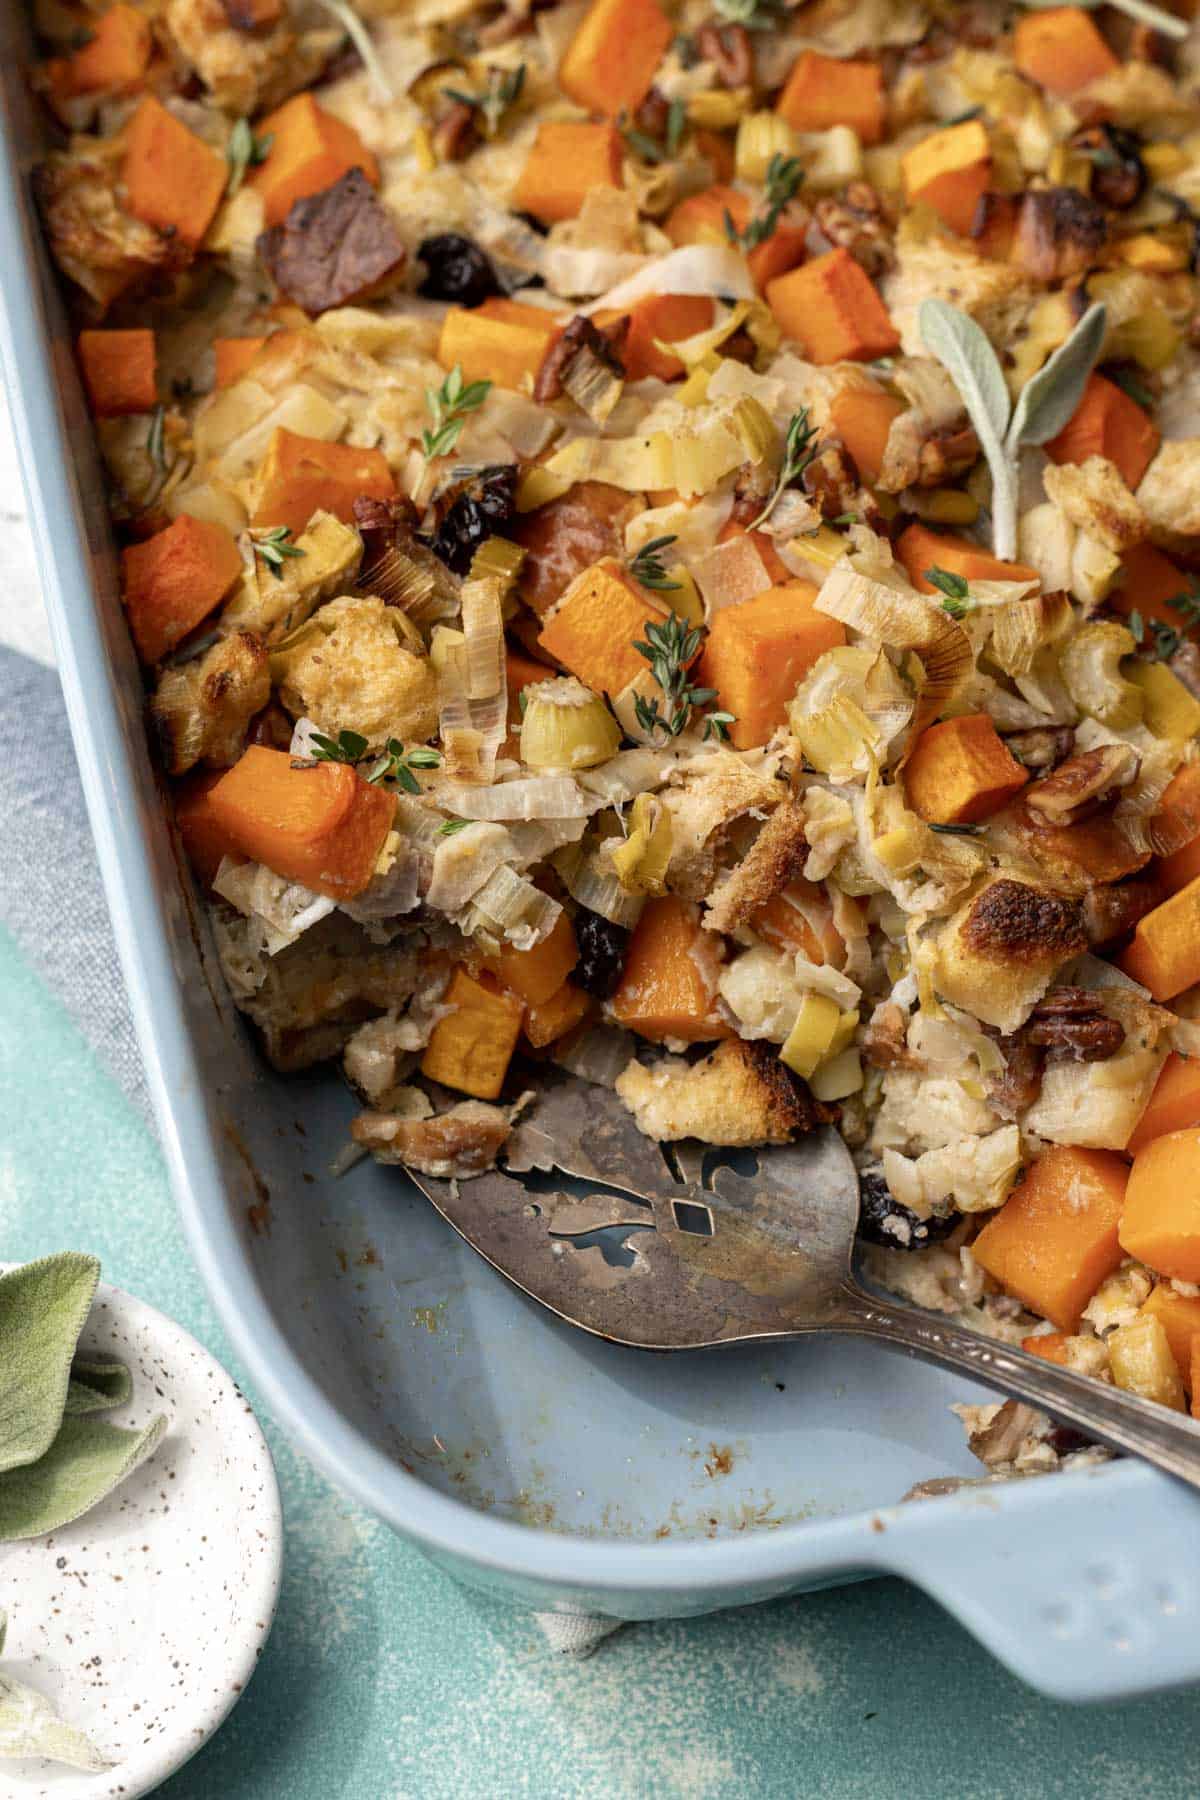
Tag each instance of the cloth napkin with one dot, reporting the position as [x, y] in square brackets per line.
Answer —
[51, 898]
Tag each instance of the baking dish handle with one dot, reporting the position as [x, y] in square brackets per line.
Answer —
[1061, 1593]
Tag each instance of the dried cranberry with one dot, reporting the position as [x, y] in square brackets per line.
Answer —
[602, 947]
[882, 1219]
[481, 507]
[458, 270]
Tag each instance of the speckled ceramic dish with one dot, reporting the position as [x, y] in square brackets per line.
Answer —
[143, 1622]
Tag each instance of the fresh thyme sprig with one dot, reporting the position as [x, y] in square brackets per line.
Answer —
[504, 89]
[393, 767]
[669, 648]
[448, 408]
[648, 148]
[1156, 640]
[647, 566]
[954, 589]
[451, 827]
[784, 179]
[799, 449]
[244, 151]
[273, 546]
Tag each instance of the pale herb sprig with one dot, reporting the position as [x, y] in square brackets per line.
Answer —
[799, 449]
[1156, 640]
[451, 827]
[156, 442]
[954, 589]
[1042, 408]
[244, 151]
[273, 546]
[783, 181]
[1146, 14]
[669, 648]
[394, 767]
[448, 408]
[504, 89]
[648, 569]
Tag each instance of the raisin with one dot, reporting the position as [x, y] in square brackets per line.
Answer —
[458, 270]
[602, 947]
[479, 509]
[883, 1220]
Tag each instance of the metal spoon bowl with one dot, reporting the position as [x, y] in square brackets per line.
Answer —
[688, 1248]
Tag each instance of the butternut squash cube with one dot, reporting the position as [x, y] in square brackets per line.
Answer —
[118, 371]
[322, 826]
[1179, 1316]
[534, 975]
[1051, 1346]
[1178, 821]
[863, 418]
[551, 1019]
[501, 341]
[668, 988]
[233, 356]
[1173, 1106]
[310, 150]
[173, 179]
[700, 218]
[831, 90]
[949, 171]
[173, 580]
[205, 839]
[610, 63]
[1108, 422]
[832, 310]
[592, 630]
[1161, 1220]
[961, 771]
[471, 1048]
[655, 319]
[920, 549]
[1165, 953]
[301, 475]
[1149, 582]
[568, 159]
[113, 60]
[757, 654]
[1055, 1238]
[1061, 49]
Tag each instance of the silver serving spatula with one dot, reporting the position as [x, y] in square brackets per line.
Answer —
[687, 1248]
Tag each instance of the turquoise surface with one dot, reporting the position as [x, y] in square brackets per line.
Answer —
[384, 1681]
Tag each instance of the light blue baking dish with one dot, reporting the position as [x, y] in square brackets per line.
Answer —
[530, 1460]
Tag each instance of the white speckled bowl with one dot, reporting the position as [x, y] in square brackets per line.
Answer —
[143, 1621]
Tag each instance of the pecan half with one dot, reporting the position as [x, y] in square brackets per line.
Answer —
[1070, 1024]
[832, 480]
[1078, 787]
[853, 220]
[580, 334]
[1110, 912]
[455, 135]
[729, 47]
[1011, 1093]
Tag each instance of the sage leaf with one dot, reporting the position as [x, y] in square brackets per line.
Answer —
[29, 1726]
[43, 1306]
[963, 349]
[86, 1461]
[1141, 10]
[1051, 397]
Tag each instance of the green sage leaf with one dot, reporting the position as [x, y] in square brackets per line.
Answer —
[964, 351]
[86, 1461]
[30, 1726]
[43, 1306]
[1051, 396]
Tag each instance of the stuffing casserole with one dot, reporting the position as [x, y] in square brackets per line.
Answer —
[661, 539]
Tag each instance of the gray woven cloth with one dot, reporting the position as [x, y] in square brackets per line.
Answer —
[51, 899]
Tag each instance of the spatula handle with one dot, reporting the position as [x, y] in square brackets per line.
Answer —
[1142, 1427]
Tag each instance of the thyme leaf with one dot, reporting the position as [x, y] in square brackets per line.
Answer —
[504, 88]
[956, 595]
[669, 647]
[648, 569]
[799, 449]
[448, 408]
[244, 151]
[273, 546]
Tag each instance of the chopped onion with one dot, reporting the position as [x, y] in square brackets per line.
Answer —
[633, 464]
[576, 273]
[510, 907]
[285, 908]
[304, 732]
[902, 619]
[598, 1057]
[536, 839]
[388, 895]
[521, 422]
[730, 573]
[627, 774]
[463, 862]
[472, 688]
[691, 269]
[597, 890]
[532, 797]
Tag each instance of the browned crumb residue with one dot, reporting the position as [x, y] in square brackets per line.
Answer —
[720, 1460]
[258, 1213]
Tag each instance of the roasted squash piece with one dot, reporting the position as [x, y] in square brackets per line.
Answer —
[567, 161]
[118, 371]
[831, 308]
[1165, 953]
[322, 826]
[1055, 1238]
[757, 654]
[960, 771]
[173, 580]
[610, 63]
[502, 341]
[1061, 49]
[173, 179]
[668, 988]
[949, 171]
[592, 629]
[1109, 423]
[831, 90]
[1161, 1221]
